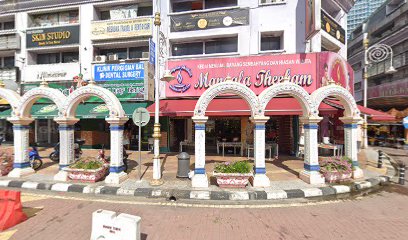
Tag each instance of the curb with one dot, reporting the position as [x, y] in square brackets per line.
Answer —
[201, 194]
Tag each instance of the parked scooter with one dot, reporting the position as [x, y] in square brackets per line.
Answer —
[35, 159]
[102, 156]
[54, 156]
[1, 139]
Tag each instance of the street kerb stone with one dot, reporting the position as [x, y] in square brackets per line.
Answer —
[276, 194]
[76, 188]
[200, 195]
[328, 191]
[341, 189]
[219, 195]
[29, 185]
[238, 195]
[109, 190]
[312, 192]
[295, 193]
[15, 184]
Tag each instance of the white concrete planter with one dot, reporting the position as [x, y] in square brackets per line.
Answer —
[85, 175]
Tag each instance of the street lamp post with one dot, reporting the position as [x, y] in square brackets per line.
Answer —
[374, 54]
[160, 41]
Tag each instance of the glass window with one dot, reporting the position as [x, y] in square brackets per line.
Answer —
[181, 49]
[48, 58]
[121, 52]
[137, 52]
[219, 4]
[223, 45]
[145, 11]
[8, 25]
[105, 15]
[270, 42]
[69, 57]
[8, 61]
[182, 6]
[52, 19]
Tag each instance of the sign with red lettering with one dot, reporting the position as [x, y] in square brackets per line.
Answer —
[193, 77]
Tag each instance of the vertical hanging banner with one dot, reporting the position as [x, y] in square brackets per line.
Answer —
[312, 16]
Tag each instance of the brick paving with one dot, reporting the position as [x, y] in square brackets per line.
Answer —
[379, 216]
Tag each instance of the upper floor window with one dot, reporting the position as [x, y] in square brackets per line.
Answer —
[7, 25]
[212, 46]
[191, 5]
[57, 57]
[126, 53]
[54, 19]
[271, 41]
[272, 1]
[7, 62]
[125, 12]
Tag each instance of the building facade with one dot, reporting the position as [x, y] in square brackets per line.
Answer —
[385, 90]
[361, 10]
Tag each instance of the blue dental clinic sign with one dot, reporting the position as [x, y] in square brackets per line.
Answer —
[118, 72]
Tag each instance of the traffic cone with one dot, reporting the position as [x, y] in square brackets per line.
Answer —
[11, 209]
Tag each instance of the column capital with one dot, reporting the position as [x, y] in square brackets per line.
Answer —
[66, 121]
[351, 120]
[200, 119]
[117, 121]
[310, 120]
[20, 120]
[259, 119]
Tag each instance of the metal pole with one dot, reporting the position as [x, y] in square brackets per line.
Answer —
[364, 143]
[140, 149]
[156, 131]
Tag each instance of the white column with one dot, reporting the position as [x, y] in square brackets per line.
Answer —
[200, 177]
[66, 148]
[310, 173]
[350, 144]
[116, 173]
[260, 178]
[21, 166]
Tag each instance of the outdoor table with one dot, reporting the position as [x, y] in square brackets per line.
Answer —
[267, 147]
[185, 143]
[230, 144]
[337, 149]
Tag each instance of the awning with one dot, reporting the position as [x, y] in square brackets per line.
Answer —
[100, 110]
[374, 115]
[5, 114]
[231, 107]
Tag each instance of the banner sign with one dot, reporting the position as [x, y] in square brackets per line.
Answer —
[193, 77]
[55, 36]
[208, 20]
[51, 72]
[126, 71]
[152, 52]
[312, 18]
[114, 29]
[405, 122]
[333, 28]
[392, 89]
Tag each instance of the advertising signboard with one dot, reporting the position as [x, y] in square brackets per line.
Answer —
[50, 72]
[208, 20]
[116, 29]
[333, 28]
[119, 72]
[391, 89]
[312, 16]
[55, 36]
[193, 77]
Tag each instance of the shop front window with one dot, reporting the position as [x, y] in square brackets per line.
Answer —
[59, 57]
[211, 46]
[8, 62]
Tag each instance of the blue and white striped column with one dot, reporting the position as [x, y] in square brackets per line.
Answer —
[310, 173]
[199, 179]
[260, 178]
[66, 150]
[21, 166]
[350, 144]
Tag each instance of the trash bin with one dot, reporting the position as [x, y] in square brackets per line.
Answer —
[183, 165]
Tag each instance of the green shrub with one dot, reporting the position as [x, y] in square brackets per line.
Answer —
[234, 167]
[88, 163]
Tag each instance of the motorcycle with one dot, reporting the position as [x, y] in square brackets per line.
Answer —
[103, 157]
[54, 156]
[35, 159]
[1, 139]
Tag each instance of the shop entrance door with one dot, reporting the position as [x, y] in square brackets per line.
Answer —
[180, 126]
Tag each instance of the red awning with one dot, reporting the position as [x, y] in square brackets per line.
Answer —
[232, 107]
[371, 113]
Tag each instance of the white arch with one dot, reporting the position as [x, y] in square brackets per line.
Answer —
[30, 97]
[75, 98]
[340, 93]
[12, 98]
[292, 89]
[227, 87]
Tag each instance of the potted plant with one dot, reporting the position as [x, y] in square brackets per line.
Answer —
[87, 169]
[336, 169]
[6, 163]
[233, 175]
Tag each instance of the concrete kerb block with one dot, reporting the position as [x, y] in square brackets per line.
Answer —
[276, 194]
[201, 195]
[362, 185]
[312, 192]
[4, 183]
[238, 196]
[341, 189]
[60, 187]
[30, 185]
[125, 192]
[98, 189]
[88, 189]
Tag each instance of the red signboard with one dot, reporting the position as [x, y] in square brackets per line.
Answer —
[393, 89]
[193, 77]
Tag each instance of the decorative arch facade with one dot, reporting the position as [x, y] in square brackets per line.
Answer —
[12, 98]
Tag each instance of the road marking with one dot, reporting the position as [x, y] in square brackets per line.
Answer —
[7, 235]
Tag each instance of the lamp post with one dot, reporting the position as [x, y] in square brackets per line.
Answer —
[161, 46]
[374, 54]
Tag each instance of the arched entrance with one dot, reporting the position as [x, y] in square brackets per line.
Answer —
[116, 119]
[21, 123]
[309, 118]
[228, 87]
[350, 120]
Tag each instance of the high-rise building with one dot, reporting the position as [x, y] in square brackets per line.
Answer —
[361, 10]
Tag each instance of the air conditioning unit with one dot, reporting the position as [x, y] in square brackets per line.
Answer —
[145, 54]
[113, 57]
[100, 58]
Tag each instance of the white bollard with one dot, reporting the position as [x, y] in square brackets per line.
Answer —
[110, 225]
